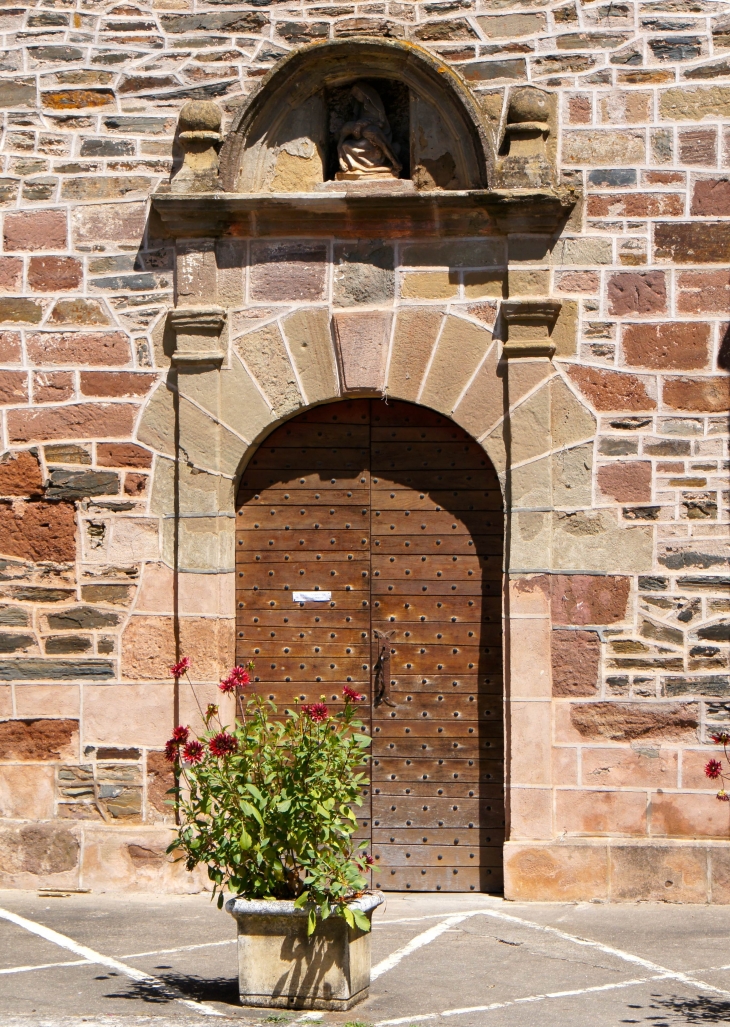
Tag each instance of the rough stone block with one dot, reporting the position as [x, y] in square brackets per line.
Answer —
[571, 475]
[593, 541]
[35, 230]
[36, 854]
[691, 242]
[428, 285]
[624, 722]
[363, 273]
[693, 104]
[68, 348]
[678, 346]
[703, 395]
[575, 659]
[81, 420]
[54, 274]
[613, 390]
[637, 293]
[39, 740]
[38, 531]
[598, 147]
[626, 481]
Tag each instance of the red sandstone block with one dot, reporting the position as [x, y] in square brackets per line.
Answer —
[626, 481]
[122, 454]
[564, 765]
[20, 474]
[116, 384]
[588, 598]
[11, 274]
[575, 657]
[54, 274]
[580, 109]
[38, 531]
[697, 395]
[703, 292]
[53, 386]
[635, 205]
[13, 388]
[288, 271]
[78, 421]
[612, 390]
[637, 292]
[711, 196]
[677, 346]
[587, 812]
[35, 230]
[106, 348]
[698, 146]
[531, 813]
[664, 177]
[135, 484]
[10, 348]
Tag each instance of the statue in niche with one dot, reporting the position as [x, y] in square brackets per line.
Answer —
[365, 145]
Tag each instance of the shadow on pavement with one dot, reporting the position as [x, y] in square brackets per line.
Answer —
[202, 989]
[701, 1010]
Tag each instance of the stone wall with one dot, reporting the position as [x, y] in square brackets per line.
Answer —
[115, 555]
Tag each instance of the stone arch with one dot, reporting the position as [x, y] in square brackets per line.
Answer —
[285, 110]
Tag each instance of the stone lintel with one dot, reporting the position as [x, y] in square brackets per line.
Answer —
[197, 332]
[356, 214]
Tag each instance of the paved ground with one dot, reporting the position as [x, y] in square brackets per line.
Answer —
[460, 960]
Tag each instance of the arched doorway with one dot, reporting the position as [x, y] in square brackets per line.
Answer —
[394, 515]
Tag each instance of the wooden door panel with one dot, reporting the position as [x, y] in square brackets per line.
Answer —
[398, 514]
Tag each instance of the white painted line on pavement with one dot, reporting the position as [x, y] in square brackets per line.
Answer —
[627, 957]
[418, 942]
[45, 966]
[180, 948]
[114, 964]
[520, 1001]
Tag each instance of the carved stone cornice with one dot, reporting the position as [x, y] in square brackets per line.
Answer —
[198, 335]
[426, 214]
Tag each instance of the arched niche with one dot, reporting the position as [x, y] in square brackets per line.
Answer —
[281, 139]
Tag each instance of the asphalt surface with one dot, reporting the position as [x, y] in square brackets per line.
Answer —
[461, 960]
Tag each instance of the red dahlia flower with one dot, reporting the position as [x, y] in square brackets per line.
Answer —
[368, 861]
[237, 678]
[171, 751]
[721, 739]
[723, 796]
[193, 752]
[222, 744]
[178, 669]
[180, 735]
[351, 694]
[212, 710]
[317, 711]
[713, 768]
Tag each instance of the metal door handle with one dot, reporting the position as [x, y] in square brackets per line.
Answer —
[382, 669]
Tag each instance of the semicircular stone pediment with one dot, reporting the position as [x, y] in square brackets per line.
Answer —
[288, 137]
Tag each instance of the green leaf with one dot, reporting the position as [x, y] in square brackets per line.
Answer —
[348, 915]
[245, 841]
[311, 922]
[361, 920]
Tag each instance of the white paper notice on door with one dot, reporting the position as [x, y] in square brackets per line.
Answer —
[312, 597]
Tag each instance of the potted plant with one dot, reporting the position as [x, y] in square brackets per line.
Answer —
[267, 805]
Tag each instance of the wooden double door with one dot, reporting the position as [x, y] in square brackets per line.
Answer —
[394, 516]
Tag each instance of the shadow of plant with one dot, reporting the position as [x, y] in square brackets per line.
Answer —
[202, 989]
[700, 1010]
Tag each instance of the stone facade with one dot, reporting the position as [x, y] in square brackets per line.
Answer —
[574, 320]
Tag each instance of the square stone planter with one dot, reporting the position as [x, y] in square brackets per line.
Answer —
[280, 967]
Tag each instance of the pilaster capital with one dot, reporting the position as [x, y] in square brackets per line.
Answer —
[529, 326]
[197, 334]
